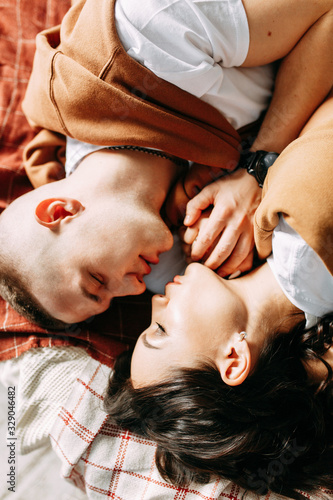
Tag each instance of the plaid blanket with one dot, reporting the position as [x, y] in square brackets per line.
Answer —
[108, 462]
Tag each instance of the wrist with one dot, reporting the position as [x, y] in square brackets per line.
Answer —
[257, 164]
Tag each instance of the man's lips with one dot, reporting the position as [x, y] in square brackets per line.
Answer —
[150, 259]
[146, 269]
[145, 263]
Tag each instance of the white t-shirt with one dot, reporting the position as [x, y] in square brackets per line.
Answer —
[301, 273]
[197, 45]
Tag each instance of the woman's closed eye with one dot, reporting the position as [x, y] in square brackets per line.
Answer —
[160, 330]
[152, 338]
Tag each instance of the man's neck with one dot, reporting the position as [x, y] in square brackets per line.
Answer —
[133, 173]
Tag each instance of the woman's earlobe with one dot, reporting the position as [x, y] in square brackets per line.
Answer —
[52, 211]
[234, 362]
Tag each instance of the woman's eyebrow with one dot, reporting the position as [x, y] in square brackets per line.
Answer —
[146, 343]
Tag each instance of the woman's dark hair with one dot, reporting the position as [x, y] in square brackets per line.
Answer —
[272, 432]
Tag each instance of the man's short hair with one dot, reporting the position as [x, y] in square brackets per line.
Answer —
[15, 290]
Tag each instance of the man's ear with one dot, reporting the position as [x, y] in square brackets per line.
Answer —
[52, 211]
[234, 361]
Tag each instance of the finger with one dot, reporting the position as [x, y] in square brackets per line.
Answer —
[217, 227]
[186, 249]
[240, 259]
[247, 264]
[212, 229]
[224, 248]
[190, 234]
[199, 203]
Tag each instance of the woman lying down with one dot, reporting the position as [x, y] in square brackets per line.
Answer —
[233, 378]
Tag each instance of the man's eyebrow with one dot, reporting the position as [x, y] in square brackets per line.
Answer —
[146, 343]
[88, 295]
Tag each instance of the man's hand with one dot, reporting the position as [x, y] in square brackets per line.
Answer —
[224, 240]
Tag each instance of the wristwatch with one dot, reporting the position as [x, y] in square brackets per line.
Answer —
[258, 163]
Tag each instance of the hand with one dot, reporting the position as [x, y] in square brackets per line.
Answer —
[186, 188]
[186, 248]
[225, 240]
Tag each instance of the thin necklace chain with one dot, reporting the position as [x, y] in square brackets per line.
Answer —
[178, 161]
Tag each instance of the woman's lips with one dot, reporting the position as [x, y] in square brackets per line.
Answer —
[177, 280]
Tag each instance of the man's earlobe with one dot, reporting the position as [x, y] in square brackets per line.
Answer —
[234, 361]
[52, 211]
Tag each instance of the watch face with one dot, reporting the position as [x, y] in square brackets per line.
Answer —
[258, 163]
[264, 162]
[269, 159]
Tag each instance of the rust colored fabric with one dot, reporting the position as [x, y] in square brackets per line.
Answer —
[299, 186]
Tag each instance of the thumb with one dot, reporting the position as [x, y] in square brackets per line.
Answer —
[199, 203]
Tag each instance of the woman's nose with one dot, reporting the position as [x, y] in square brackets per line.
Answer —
[159, 302]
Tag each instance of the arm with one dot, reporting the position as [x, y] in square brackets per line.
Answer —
[302, 33]
[44, 158]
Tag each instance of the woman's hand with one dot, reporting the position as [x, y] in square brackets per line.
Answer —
[224, 240]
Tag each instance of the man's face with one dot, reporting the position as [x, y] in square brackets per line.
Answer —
[103, 253]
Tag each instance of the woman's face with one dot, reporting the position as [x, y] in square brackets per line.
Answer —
[190, 324]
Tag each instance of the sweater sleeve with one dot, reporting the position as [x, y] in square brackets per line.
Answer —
[44, 158]
[299, 186]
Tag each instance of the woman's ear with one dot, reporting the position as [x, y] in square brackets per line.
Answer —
[234, 361]
[52, 211]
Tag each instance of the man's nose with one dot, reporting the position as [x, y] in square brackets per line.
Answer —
[167, 241]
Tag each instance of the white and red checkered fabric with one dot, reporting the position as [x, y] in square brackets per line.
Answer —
[110, 463]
